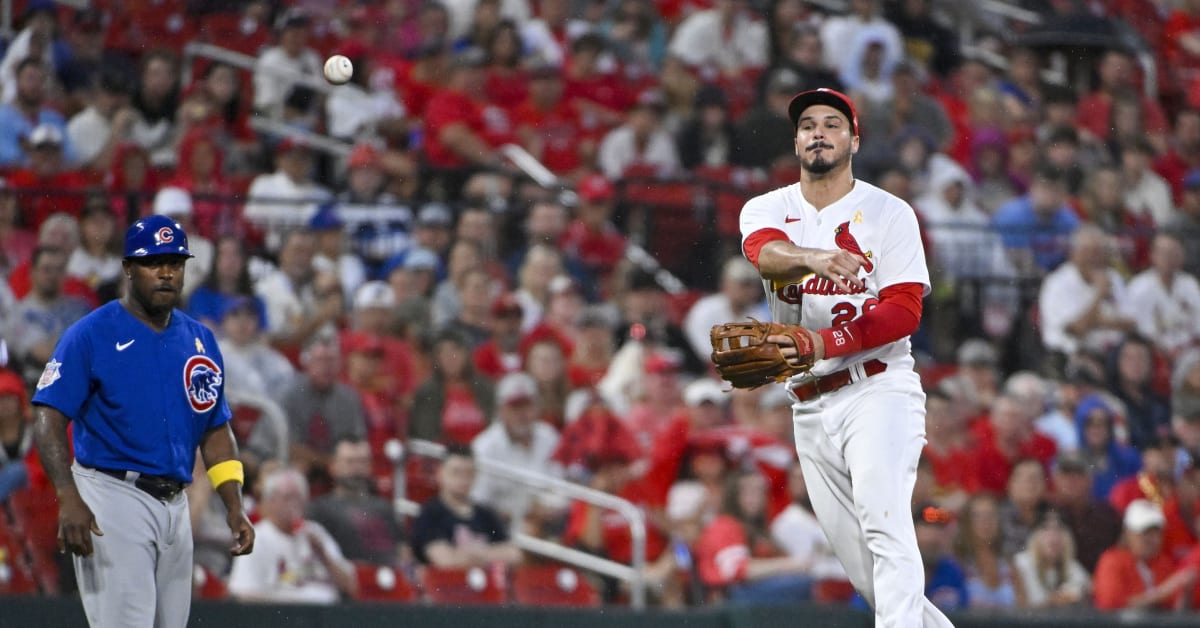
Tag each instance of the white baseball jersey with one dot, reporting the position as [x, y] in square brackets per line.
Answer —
[869, 221]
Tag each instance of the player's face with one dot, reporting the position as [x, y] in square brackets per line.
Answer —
[824, 141]
[156, 281]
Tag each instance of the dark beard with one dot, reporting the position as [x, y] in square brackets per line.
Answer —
[818, 166]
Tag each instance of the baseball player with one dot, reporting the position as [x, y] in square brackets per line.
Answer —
[845, 273]
[143, 384]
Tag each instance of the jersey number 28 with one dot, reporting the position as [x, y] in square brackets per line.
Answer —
[845, 311]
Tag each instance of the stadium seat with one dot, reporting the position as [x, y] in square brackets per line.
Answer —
[244, 419]
[552, 585]
[464, 586]
[381, 583]
[831, 591]
[207, 585]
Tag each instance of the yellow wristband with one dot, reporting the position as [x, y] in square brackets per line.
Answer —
[223, 472]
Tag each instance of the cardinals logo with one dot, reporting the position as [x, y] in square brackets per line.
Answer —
[202, 380]
[845, 241]
[163, 236]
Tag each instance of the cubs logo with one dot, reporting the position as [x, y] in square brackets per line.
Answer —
[847, 242]
[163, 236]
[202, 380]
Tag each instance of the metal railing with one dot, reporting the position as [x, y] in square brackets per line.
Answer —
[633, 574]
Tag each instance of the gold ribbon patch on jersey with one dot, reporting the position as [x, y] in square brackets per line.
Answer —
[199, 346]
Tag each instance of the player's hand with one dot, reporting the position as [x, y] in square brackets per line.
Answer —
[839, 266]
[76, 525]
[787, 346]
[243, 533]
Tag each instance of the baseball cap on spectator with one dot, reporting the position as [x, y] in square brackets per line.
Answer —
[823, 96]
[977, 352]
[11, 384]
[516, 388]
[173, 201]
[661, 362]
[434, 215]
[595, 188]
[46, 135]
[1142, 515]
[929, 513]
[506, 305]
[364, 155]
[156, 235]
[704, 390]
[421, 259]
[374, 294]
[326, 219]
[362, 343]
[1191, 181]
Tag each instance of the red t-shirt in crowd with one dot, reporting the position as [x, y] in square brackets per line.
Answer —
[955, 469]
[1094, 111]
[21, 283]
[1118, 578]
[618, 542]
[722, 552]
[507, 88]
[462, 418]
[40, 197]
[1124, 492]
[600, 249]
[606, 90]
[560, 132]
[993, 466]
[446, 108]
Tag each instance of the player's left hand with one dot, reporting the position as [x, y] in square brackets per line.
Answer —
[243, 533]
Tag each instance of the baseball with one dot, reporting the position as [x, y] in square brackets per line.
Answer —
[338, 69]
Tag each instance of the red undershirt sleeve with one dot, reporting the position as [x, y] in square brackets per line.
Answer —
[897, 315]
[754, 242]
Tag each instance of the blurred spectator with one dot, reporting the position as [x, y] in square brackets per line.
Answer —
[1082, 304]
[591, 239]
[542, 264]
[594, 348]
[740, 297]
[644, 317]
[1185, 402]
[1024, 503]
[867, 68]
[800, 55]
[473, 316]
[765, 135]
[44, 314]
[948, 450]
[459, 137]
[229, 280]
[221, 83]
[500, 354]
[157, 100]
[28, 109]
[990, 577]
[706, 138]
[378, 224]
[16, 434]
[1034, 392]
[838, 31]
[455, 404]
[1003, 441]
[995, 185]
[176, 203]
[1109, 459]
[288, 197]
[1163, 296]
[1022, 88]
[374, 314]
[16, 241]
[279, 67]
[737, 556]
[453, 531]
[59, 232]
[726, 40]
[97, 260]
[963, 245]
[546, 35]
[600, 95]
[926, 39]
[1092, 523]
[465, 256]
[976, 383]
[46, 185]
[413, 278]
[131, 181]
[1131, 379]
[88, 56]
[107, 121]
[1183, 155]
[516, 438]
[507, 83]
[363, 525]
[1146, 193]
[1181, 511]
[320, 409]
[360, 107]
[1035, 227]
[1136, 573]
[472, 23]
[201, 174]
[641, 141]
[1154, 482]
[945, 583]
[549, 126]
[1115, 70]
[545, 359]
[1047, 572]
[1102, 203]
[1186, 222]
[296, 560]
[638, 36]
[255, 368]
[332, 251]
[299, 302]
[797, 532]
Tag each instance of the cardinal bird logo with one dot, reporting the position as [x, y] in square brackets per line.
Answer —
[845, 241]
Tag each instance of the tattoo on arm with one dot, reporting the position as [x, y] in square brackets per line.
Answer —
[50, 434]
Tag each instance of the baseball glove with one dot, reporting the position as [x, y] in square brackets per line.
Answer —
[745, 358]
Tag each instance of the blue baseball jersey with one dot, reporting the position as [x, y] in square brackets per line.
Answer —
[140, 400]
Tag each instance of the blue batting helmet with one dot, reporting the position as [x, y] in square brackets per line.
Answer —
[156, 235]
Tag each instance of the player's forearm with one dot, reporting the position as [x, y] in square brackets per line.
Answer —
[780, 260]
[217, 446]
[50, 435]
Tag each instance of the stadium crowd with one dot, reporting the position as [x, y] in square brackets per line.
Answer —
[419, 286]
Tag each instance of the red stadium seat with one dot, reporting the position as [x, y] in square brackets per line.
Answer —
[381, 583]
[207, 585]
[464, 586]
[15, 575]
[833, 591]
[552, 585]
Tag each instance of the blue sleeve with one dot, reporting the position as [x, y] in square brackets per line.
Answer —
[220, 414]
[11, 129]
[1013, 234]
[66, 380]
